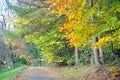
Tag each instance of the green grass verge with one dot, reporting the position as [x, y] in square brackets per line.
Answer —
[11, 73]
[77, 73]
[68, 73]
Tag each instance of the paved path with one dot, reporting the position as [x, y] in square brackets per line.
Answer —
[37, 73]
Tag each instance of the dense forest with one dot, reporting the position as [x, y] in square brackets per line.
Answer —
[60, 33]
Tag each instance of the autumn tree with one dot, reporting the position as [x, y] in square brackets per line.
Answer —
[42, 30]
[87, 19]
[81, 23]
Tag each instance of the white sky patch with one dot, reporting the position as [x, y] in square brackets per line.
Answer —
[9, 17]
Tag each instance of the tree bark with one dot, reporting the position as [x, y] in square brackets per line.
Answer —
[95, 52]
[76, 57]
[101, 54]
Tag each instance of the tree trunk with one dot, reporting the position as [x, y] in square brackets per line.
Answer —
[76, 57]
[95, 52]
[101, 54]
[92, 59]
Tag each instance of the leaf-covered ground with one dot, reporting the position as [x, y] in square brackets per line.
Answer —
[90, 73]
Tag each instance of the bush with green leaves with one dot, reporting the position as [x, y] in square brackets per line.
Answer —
[85, 58]
[21, 60]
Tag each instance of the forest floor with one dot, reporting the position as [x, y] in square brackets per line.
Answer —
[90, 72]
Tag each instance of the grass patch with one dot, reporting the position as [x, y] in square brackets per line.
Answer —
[11, 73]
[77, 73]
[92, 72]
[85, 70]
[68, 73]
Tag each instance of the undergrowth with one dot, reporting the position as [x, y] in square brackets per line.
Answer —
[11, 73]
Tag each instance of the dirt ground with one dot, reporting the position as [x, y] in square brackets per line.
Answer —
[37, 73]
[45, 73]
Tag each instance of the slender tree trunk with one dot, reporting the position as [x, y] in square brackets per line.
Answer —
[95, 52]
[111, 47]
[101, 54]
[76, 57]
[92, 58]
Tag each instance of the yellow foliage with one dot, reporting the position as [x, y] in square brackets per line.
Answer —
[71, 16]
[102, 42]
[51, 0]
[60, 28]
[73, 9]
[78, 22]
[77, 39]
[23, 21]
[113, 69]
[115, 73]
[49, 57]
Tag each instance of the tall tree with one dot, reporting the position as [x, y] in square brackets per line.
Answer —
[76, 57]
